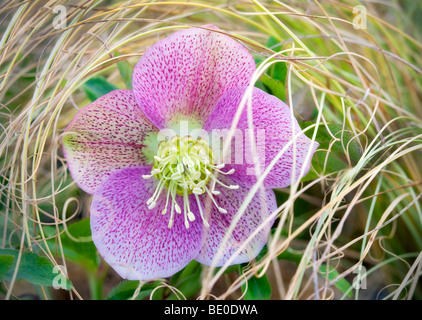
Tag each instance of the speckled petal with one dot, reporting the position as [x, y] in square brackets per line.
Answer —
[273, 129]
[106, 136]
[182, 76]
[136, 241]
[255, 216]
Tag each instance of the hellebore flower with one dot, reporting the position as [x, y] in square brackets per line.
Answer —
[159, 203]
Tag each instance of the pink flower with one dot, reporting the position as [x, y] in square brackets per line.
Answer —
[159, 203]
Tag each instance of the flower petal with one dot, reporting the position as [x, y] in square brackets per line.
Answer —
[255, 216]
[134, 240]
[106, 136]
[273, 130]
[182, 76]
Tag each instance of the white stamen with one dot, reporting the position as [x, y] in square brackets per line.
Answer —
[176, 207]
[185, 166]
[215, 202]
[232, 187]
[180, 168]
[200, 184]
[191, 216]
[176, 176]
[197, 191]
[155, 171]
[170, 223]
[205, 222]
[167, 201]
[171, 213]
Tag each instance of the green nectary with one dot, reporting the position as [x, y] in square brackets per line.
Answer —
[185, 162]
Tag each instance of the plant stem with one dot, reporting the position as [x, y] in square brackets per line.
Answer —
[95, 286]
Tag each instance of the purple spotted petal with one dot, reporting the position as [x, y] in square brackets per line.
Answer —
[134, 240]
[182, 76]
[273, 125]
[106, 136]
[254, 217]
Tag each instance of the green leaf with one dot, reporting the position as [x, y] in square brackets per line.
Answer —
[274, 87]
[257, 288]
[288, 254]
[126, 289]
[274, 79]
[77, 244]
[333, 156]
[33, 268]
[273, 44]
[228, 269]
[5, 263]
[126, 71]
[188, 280]
[123, 291]
[97, 87]
[277, 71]
[343, 285]
[260, 288]
[346, 142]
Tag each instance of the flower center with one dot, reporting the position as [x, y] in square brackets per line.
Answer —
[184, 166]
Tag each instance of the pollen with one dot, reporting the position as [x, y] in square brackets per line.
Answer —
[185, 166]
